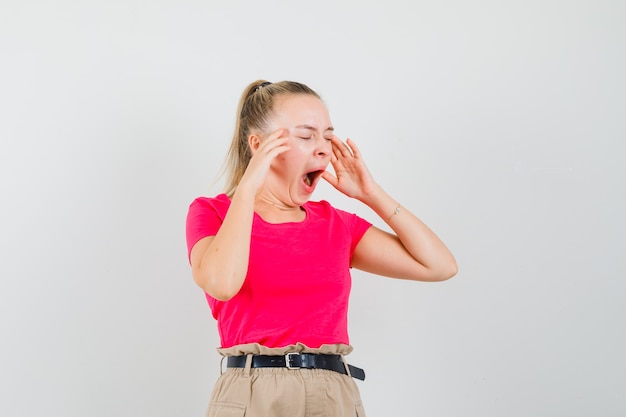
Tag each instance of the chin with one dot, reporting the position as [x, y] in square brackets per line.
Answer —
[300, 197]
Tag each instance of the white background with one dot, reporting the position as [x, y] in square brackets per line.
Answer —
[500, 123]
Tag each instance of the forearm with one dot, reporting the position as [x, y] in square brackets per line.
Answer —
[417, 238]
[224, 264]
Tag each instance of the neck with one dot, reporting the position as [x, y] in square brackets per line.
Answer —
[276, 203]
[272, 210]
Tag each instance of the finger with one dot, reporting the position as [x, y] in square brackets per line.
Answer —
[343, 148]
[337, 153]
[271, 143]
[336, 162]
[335, 140]
[278, 133]
[273, 152]
[355, 150]
[330, 178]
[337, 145]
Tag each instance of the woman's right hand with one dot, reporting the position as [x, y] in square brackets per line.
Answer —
[220, 263]
[266, 150]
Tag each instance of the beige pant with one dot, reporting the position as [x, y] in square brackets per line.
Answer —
[282, 392]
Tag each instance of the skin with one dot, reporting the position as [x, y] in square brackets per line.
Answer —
[301, 140]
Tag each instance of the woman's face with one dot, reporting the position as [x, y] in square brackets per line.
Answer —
[295, 173]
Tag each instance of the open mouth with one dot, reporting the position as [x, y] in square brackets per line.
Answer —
[309, 178]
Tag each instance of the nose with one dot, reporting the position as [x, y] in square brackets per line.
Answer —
[323, 147]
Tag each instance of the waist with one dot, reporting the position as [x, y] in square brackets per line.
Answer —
[296, 360]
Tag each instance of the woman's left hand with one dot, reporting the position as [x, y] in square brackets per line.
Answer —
[414, 251]
[352, 176]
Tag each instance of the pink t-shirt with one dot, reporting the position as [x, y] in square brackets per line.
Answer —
[298, 281]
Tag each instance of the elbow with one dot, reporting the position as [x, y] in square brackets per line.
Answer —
[433, 273]
[449, 271]
[222, 291]
[445, 272]
[216, 286]
[221, 295]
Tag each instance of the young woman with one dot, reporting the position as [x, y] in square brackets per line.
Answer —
[275, 266]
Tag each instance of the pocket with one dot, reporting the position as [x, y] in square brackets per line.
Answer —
[360, 411]
[222, 409]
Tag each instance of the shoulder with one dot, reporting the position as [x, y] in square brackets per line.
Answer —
[320, 208]
[203, 209]
[218, 203]
[339, 222]
[218, 200]
[326, 210]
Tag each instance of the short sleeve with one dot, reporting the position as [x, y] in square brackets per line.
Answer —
[204, 218]
[359, 227]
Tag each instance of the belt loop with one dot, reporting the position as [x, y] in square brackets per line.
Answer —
[345, 363]
[246, 372]
[221, 365]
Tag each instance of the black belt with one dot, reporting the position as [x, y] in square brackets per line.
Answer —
[296, 361]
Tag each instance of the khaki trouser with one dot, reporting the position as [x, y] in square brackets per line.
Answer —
[282, 392]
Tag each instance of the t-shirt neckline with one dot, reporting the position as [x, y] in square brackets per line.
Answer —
[307, 216]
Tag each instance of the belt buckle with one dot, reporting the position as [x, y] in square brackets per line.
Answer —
[288, 360]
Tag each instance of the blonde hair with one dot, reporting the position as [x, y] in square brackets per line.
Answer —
[253, 113]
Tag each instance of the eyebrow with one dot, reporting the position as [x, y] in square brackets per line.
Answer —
[309, 127]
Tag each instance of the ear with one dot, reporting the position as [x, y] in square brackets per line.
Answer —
[254, 141]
